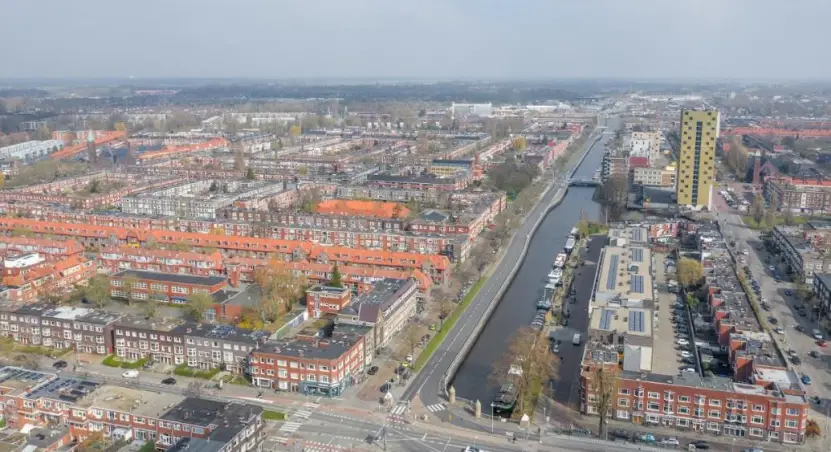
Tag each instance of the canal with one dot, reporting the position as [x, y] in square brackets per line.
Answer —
[518, 304]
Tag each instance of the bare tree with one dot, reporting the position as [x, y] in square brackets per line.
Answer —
[527, 364]
[413, 339]
[602, 383]
[129, 287]
[199, 303]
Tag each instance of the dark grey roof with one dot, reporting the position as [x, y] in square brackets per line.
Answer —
[228, 333]
[452, 162]
[230, 417]
[343, 338]
[172, 277]
[249, 296]
[384, 293]
[434, 215]
[425, 179]
[64, 389]
[824, 278]
[196, 445]
[43, 438]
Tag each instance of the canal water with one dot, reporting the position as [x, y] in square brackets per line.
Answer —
[518, 305]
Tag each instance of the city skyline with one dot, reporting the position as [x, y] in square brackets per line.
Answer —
[439, 40]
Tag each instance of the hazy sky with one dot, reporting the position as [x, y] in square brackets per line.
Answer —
[757, 39]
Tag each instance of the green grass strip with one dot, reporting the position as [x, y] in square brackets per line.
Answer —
[436, 341]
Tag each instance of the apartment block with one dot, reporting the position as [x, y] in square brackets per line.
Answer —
[212, 346]
[84, 409]
[116, 259]
[804, 248]
[62, 327]
[324, 299]
[436, 266]
[764, 399]
[386, 308]
[51, 250]
[200, 199]
[699, 131]
[163, 287]
[160, 341]
[800, 195]
[29, 276]
[654, 177]
[453, 183]
[822, 292]
[312, 363]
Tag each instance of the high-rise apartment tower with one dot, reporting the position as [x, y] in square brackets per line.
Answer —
[696, 158]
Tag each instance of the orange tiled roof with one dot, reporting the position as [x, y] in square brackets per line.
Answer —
[233, 243]
[71, 246]
[766, 131]
[376, 209]
[165, 254]
[424, 281]
[185, 149]
[71, 151]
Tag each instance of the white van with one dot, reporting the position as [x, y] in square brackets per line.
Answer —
[576, 339]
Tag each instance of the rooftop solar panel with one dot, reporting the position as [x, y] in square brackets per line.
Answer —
[611, 278]
[637, 254]
[638, 235]
[606, 319]
[636, 322]
[637, 283]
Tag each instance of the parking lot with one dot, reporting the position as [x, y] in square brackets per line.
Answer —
[673, 344]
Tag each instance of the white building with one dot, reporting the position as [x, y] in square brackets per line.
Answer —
[484, 110]
[30, 150]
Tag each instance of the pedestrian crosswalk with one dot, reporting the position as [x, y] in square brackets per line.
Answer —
[290, 427]
[436, 407]
[297, 418]
[313, 446]
[401, 408]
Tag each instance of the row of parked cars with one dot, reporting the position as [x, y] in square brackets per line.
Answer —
[648, 438]
[684, 338]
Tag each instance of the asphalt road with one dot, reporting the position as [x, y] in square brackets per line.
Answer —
[783, 309]
[566, 389]
[427, 383]
[324, 432]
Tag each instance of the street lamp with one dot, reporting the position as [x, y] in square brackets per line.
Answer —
[491, 418]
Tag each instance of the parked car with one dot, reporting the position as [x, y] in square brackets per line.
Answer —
[386, 387]
[795, 359]
[682, 342]
[59, 364]
[806, 380]
[621, 434]
[773, 320]
[169, 381]
[670, 442]
[130, 374]
[813, 354]
[788, 292]
[646, 438]
[372, 370]
[701, 444]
